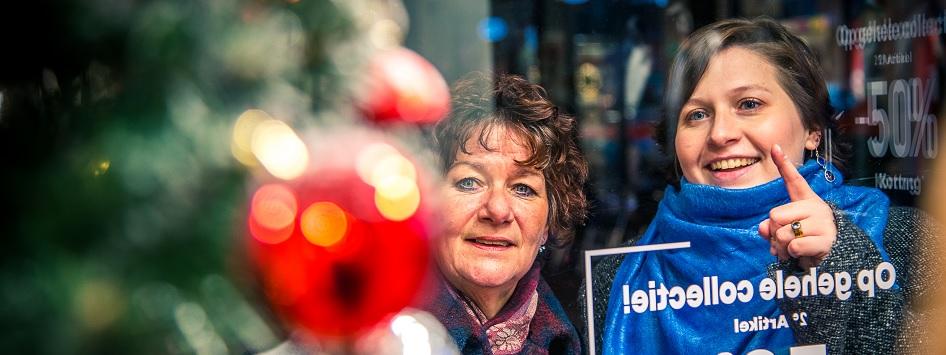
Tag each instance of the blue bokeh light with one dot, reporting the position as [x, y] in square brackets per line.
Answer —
[492, 29]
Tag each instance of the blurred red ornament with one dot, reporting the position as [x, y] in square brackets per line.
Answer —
[403, 86]
[356, 251]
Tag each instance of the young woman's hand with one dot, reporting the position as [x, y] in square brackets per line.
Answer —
[813, 216]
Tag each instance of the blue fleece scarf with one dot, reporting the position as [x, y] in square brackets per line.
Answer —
[722, 227]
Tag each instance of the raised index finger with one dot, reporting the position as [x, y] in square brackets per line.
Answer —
[798, 188]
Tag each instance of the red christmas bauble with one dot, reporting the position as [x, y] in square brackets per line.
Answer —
[403, 86]
[345, 245]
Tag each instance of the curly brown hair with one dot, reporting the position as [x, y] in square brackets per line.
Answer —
[480, 103]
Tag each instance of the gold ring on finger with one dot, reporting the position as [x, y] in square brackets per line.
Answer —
[796, 229]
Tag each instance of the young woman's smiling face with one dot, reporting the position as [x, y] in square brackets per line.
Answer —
[736, 113]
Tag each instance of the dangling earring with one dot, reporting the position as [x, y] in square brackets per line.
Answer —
[823, 162]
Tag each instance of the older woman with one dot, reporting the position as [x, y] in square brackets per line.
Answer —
[513, 184]
[746, 104]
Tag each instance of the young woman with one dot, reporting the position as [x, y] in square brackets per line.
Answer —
[758, 196]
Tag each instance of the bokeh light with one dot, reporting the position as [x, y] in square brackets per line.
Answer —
[101, 168]
[199, 332]
[369, 157]
[395, 187]
[98, 304]
[394, 165]
[414, 336]
[279, 149]
[240, 145]
[394, 178]
[323, 224]
[397, 198]
[236, 313]
[492, 29]
[272, 213]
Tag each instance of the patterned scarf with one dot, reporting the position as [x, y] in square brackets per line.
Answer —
[722, 227]
[506, 332]
[531, 322]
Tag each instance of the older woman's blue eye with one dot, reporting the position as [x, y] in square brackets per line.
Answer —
[466, 184]
[524, 190]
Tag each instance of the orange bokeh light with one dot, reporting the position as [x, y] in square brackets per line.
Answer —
[324, 224]
[272, 212]
[397, 198]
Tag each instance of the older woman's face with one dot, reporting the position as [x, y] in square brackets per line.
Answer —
[736, 113]
[495, 215]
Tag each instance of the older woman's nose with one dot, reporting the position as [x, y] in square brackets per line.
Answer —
[724, 131]
[496, 209]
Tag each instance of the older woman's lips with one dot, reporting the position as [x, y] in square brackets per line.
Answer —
[490, 243]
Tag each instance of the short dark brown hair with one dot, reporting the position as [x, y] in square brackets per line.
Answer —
[481, 103]
[797, 70]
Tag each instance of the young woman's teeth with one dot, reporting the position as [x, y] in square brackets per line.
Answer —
[732, 163]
